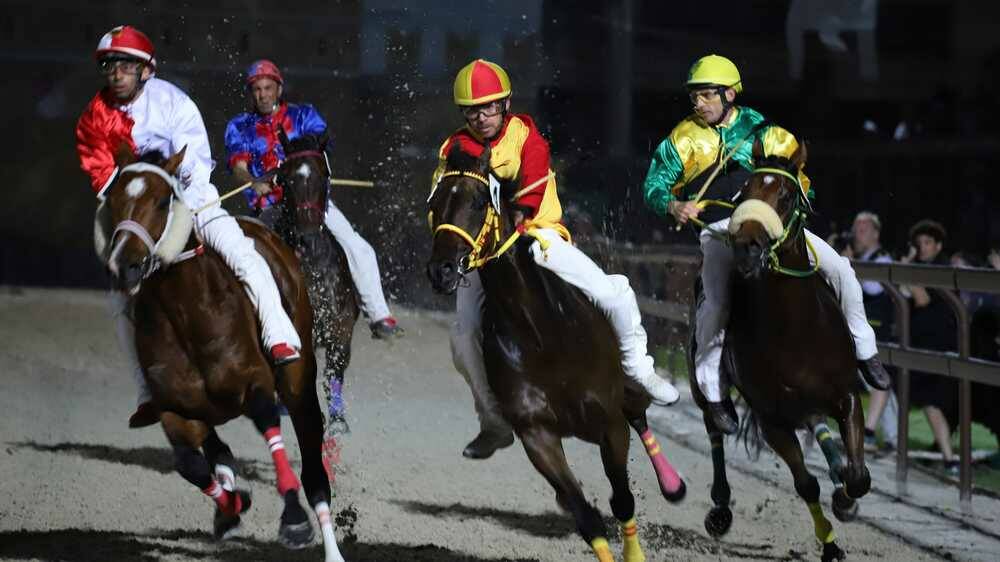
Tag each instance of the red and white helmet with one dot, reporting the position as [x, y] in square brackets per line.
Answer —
[264, 68]
[127, 40]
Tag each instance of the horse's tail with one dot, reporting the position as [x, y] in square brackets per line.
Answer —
[750, 432]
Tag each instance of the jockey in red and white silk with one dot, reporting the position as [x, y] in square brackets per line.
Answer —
[150, 114]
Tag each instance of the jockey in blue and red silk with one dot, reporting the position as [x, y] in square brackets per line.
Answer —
[152, 115]
[519, 154]
[253, 149]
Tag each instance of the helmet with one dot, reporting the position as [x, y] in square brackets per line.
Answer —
[480, 82]
[714, 70]
[129, 41]
[264, 68]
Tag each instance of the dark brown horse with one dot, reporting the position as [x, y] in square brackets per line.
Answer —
[788, 349]
[551, 356]
[305, 178]
[199, 346]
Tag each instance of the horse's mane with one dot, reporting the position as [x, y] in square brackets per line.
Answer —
[777, 161]
[459, 159]
[307, 142]
[154, 157]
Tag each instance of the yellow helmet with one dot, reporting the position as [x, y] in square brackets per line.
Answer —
[714, 70]
[481, 82]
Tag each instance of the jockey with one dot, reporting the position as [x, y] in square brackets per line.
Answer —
[680, 167]
[253, 149]
[149, 115]
[518, 152]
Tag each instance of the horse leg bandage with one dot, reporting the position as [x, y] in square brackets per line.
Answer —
[286, 478]
[229, 502]
[602, 550]
[670, 481]
[631, 551]
[822, 525]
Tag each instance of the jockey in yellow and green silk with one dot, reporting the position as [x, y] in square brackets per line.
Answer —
[520, 154]
[680, 167]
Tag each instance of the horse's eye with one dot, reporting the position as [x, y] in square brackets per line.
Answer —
[164, 203]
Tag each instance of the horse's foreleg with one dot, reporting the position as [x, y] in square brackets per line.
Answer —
[671, 485]
[220, 458]
[545, 451]
[857, 480]
[614, 455]
[720, 517]
[786, 444]
[844, 506]
[337, 358]
[186, 437]
[294, 531]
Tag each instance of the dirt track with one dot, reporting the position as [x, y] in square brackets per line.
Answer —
[76, 484]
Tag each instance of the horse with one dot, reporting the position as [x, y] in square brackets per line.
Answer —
[305, 177]
[551, 356]
[787, 349]
[198, 344]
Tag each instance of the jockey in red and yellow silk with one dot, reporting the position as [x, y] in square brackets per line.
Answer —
[519, 153]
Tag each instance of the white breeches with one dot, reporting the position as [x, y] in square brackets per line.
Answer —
[713, 313]
[125, 333]
[362, 262]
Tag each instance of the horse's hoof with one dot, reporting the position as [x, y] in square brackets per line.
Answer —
[337, 426]
[718, 521]
[832, 552]
[845, 508]
[295, 535]
[224, 526]
[676, 496]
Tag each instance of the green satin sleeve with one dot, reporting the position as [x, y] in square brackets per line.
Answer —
[665, 170]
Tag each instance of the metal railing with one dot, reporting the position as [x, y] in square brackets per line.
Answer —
[650, 269]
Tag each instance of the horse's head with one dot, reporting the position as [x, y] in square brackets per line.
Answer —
[465, 217]
[772, 211]
[305, 179]
[151, 223]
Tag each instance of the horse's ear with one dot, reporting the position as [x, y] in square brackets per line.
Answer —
[124, 155]
[758, 150]
[323, 139]
[174, 162]
[799, 156]
[483, 163]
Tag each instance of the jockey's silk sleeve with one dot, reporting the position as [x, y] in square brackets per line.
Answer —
[189, 131]
[665, 170]
[98, 132]
[535, 160]
[237, 147]
[780, 142]
[311, 122]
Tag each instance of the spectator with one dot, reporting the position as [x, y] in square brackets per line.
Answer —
[865, 244]
[973, 300]
[932, 326]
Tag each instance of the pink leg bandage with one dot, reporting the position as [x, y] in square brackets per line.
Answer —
[286, 478]
[670, 481]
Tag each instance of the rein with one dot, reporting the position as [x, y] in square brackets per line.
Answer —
[491, 226]
[794, 228]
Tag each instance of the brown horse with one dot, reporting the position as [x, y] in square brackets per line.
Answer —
[788, 349]
[305, 177]
[199, 347]
[551, 356]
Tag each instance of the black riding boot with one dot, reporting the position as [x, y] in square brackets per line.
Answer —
[723, 415]
[487, 443]
[874, 373]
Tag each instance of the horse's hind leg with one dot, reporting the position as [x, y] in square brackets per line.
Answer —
[671, 485]
[614, 455]
[545, 451]
[857, 480]
[786, 444]
[845, 508]
[186, 437]
[221, 461]
[295, 530]
[298, 390]
[720, 517]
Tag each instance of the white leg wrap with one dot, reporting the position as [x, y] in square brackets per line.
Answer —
[613, 296]
[362, 262]
[223, 234]
[839, 274]
[325, 519]
[467, 352]
[713, 312]
[125, 332]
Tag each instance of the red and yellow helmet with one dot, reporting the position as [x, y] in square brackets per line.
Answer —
[126, 40]
[480, 82]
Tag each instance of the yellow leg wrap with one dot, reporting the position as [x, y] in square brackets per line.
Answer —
[602, 550]
[630, 538]
[822, 525]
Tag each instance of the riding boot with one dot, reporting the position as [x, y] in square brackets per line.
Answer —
[487, 443]
[874, 373]
[723, 415]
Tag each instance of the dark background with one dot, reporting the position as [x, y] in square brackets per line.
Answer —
[603, 80]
